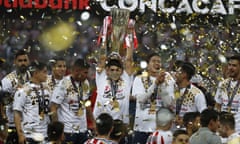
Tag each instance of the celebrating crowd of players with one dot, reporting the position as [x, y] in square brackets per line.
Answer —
[42, 106]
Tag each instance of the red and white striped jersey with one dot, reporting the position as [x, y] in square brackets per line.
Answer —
[98, 141]
[160, 137]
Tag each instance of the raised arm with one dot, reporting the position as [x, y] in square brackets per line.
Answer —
[129, 65]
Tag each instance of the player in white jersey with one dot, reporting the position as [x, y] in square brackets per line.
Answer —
[189, 98]
[164, 120]
[31, 106]
[113, 81]
[113, 89]
[152, 90]
[228, 92]
[70, 105]
[11, 83]
[58, 70]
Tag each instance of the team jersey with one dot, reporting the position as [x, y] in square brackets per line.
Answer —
[225, 91]
[32, 101]
[193, 101]
[70, 111]
[51, 82]
[143, 89]
[160, 137]
[11, 83]
[119, 108]
[98, 141]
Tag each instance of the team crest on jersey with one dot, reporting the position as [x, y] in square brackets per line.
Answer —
[114, 89]
[190, 96]
[109, 94]
[225, 85]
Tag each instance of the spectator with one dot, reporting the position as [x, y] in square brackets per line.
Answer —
[191, 121]
[207, 132]
[180, 137]
[55, 133]
[104, 126]
[119, 132]
[162, 135]
[227, 128]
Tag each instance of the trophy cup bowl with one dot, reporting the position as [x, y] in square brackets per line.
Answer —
[120, 19]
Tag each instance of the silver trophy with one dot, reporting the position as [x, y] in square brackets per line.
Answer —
[120, 19]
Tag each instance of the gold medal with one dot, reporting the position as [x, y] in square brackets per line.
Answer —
[99, 104]
[80, 112]
[85, 87]
[115, 105]
[41, 115]
[177, 94]
[87, 103]
[152, 109]
[229, 109]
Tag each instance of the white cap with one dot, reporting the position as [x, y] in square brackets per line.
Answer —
[164, 116]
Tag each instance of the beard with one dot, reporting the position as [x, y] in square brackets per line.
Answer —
[22, 69]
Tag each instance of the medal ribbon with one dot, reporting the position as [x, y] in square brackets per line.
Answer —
[114, 88]
[43, 104]
[179, 101]
[79, 91]
[146, 83]
[230, 98]
[21, 78]
[53, 81]
[154, 94]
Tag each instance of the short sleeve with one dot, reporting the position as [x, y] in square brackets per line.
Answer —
[19, 100]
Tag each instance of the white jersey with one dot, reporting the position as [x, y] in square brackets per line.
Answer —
[33, 102]
[69, 100]
[51, 82]
[160, 137]
[104, 103]
[143, 88]
[225, 88]
[193, 101]
[11, 83]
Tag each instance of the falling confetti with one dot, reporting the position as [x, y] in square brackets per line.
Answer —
[59, 37]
